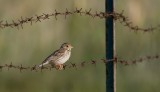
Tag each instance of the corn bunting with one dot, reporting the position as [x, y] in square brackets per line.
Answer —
[59, 57]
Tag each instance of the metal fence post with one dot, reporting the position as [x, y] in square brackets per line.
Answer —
[110, 48]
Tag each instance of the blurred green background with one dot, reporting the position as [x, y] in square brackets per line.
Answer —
[32, 44]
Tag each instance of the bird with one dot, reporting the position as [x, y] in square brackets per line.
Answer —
[58, 57]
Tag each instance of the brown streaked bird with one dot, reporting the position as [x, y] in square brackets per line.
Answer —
[59, 57]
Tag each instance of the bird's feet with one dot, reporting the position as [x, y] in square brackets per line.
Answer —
[59, 67]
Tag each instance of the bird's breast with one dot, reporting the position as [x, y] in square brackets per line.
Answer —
[64, 58]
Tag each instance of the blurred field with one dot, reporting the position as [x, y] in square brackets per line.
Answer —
[32, 44]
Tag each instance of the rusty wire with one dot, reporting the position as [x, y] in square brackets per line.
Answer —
[138, 60]
[81, 64]
[94, 14]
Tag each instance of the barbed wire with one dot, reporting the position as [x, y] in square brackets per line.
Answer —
[94, 14]
[81, 64]
[138, 60]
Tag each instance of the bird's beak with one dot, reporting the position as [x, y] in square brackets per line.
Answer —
[71, 46]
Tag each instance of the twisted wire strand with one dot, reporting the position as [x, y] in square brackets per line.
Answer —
[120, 17]
[80, 64]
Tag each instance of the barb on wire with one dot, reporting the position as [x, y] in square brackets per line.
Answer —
[102, 15]
[67, 13]
[80, 64]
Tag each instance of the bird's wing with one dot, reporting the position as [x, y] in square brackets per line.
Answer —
[55, 55]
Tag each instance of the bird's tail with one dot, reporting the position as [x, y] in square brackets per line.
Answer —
[43, 64]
